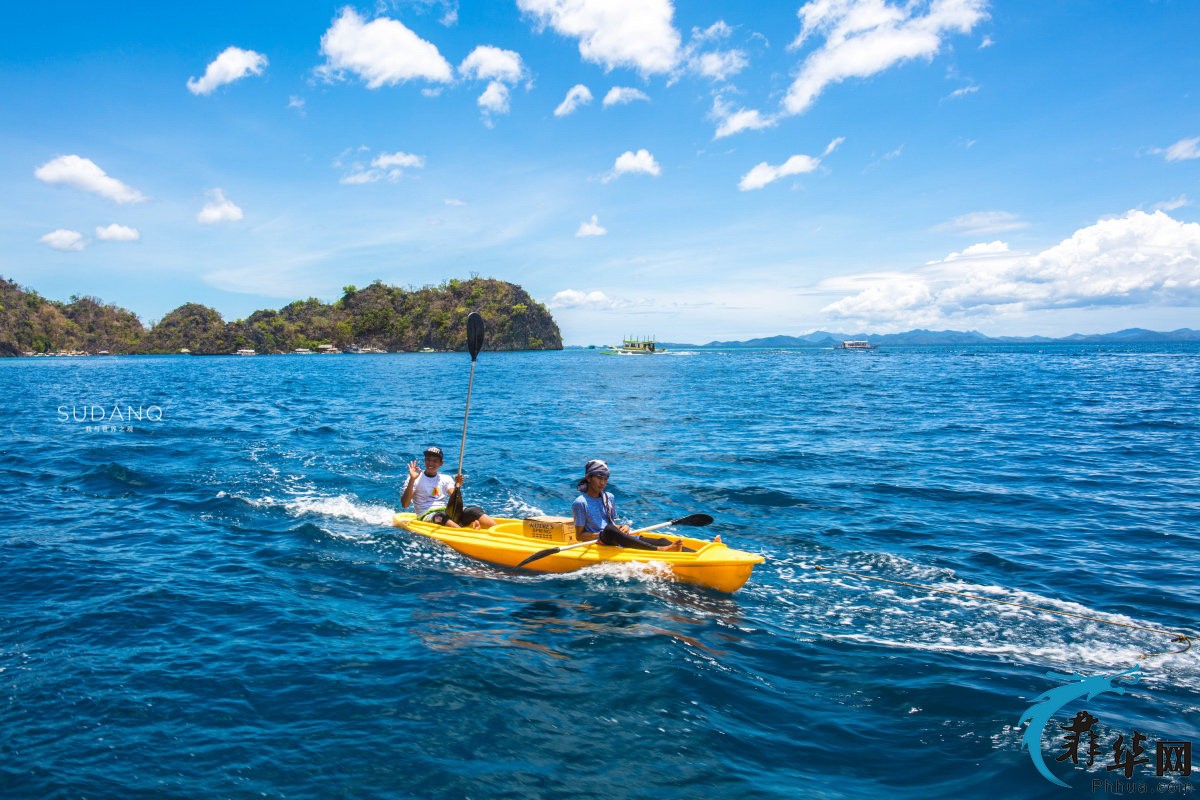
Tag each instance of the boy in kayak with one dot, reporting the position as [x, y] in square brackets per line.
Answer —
[429, 493]
[595, 514]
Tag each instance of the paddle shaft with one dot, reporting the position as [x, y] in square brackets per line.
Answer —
[695, 520]
[463, 445]
[454, 507]
[593, 541]
[474, 345]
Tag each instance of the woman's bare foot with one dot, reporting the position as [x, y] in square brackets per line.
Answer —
[717, 539]
[674, 546]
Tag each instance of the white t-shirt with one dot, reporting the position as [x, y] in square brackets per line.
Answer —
[431, 492]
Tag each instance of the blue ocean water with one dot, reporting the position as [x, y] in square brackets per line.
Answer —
[209, 600]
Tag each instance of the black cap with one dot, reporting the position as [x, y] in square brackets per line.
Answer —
[435, 451]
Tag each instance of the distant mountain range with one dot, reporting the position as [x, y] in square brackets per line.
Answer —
[819, 339]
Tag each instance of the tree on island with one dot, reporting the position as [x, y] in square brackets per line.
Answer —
[377, 316]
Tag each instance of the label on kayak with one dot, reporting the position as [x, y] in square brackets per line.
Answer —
[550, 529]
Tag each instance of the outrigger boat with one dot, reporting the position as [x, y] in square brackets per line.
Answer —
[512, 541]
[635, 347]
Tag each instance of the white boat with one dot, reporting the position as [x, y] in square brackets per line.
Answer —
[245, 351]
[636, 347]
[856, 344]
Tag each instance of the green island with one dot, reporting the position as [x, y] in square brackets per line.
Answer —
[377, 318]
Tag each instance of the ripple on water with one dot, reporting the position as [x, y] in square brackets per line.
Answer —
[217, 605]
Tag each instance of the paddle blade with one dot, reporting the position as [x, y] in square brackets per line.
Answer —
[694, 520]
[474, 334]
[454, 505]
[539, 554]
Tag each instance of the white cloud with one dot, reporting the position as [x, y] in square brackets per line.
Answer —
[487, 63]
[631, 162]
[717, 65]
[983, 222]
[82, 173]
[64, 240]
[614, 33]
[233, 64]
[591, 227]
[386, 166]
[866, 37]
[500, 68]
[218, 209]
[117, 233]
[574, 298]
[745, 119]
[976, 251]
[494, 98]
[1139, 259]
[718, 30]
[620, 95]
[296, 103]
[1172, 204]
[888, 156]
[398, 160]
[361, 177]
[730, 122]
[720, 65]
[963, 92]
[764, 173]
[578, 95]
[1183, 150]
[382, 52]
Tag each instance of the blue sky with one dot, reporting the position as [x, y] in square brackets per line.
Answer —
[691, 171]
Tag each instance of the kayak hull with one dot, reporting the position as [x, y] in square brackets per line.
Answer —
[712, 564]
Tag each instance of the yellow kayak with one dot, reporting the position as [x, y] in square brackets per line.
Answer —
[713, 564]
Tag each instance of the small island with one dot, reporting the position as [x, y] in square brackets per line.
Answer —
[378, 318]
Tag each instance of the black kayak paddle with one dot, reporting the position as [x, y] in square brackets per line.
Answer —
[454, 504]
[691, 520]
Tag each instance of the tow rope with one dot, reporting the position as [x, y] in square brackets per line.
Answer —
[1181, 638]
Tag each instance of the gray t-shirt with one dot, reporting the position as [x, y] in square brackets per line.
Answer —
[594, 513]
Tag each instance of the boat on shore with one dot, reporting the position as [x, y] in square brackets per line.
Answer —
[856, 344]
[711, 564]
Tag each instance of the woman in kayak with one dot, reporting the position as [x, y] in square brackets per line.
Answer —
[595, 514]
